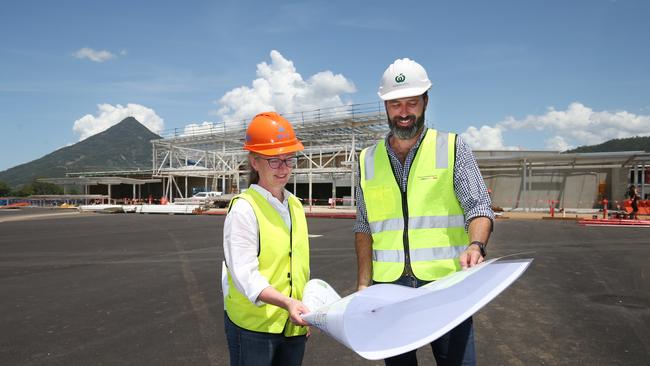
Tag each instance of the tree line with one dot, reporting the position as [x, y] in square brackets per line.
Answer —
[33, 188]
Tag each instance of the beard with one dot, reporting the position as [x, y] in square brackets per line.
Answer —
[406, 132]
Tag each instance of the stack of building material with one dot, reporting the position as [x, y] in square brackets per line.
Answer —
[101, 208]
[168, 209]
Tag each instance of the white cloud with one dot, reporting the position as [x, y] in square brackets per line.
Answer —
[109, 115]
[281, 88]
[575, 126]
[201, 129]
[485, 138]
[93, 55]
[557, 143]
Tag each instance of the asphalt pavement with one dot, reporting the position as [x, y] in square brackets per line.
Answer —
[134, 289]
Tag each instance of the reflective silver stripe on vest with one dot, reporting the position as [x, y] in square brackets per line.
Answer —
[435, 222]
[418, 255]
[370, 162]
[442, 150]
[432, 254]
[386, 225]
[420, 222]
[395, 256]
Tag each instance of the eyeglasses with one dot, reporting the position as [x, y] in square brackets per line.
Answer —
[275, 163]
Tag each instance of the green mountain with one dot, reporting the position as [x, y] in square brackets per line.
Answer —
[124, 146]
[637, 143]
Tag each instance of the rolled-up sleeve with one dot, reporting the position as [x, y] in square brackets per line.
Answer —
[469, 186]
[240, 247]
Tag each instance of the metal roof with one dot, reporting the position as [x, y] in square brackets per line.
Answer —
[67, 196]
[495, 159]
[98, 180]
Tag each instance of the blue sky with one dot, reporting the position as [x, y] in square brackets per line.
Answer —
[506, 74]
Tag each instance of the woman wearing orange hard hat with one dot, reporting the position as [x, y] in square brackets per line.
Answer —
[266, 250]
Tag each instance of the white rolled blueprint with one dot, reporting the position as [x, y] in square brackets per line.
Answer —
[385, 320]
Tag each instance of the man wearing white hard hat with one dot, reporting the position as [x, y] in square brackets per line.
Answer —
[423, 210]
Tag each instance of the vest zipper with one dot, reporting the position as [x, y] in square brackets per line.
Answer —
[405, 213]
[290, 252]
[408, 271]
[405, 236]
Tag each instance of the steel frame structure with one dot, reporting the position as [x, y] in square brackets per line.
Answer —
[333, 138]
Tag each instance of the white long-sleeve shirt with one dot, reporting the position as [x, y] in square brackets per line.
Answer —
[240, 243]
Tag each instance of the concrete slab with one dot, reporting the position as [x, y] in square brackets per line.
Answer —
[144, 289]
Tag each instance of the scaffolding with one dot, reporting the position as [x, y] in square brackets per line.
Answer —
[333, 138]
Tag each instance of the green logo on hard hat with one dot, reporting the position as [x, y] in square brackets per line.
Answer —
[400, 78]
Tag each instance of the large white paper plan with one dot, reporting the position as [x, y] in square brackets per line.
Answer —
[385, 320]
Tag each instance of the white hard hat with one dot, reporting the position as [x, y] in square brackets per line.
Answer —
[402, 79]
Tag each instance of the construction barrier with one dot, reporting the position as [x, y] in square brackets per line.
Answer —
[644, 207]
[614, 222]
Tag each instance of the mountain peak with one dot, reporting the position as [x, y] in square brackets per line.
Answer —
[124, 146]
[129, 125]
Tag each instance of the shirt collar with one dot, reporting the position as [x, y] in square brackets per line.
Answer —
[266, 194]
[417, 143]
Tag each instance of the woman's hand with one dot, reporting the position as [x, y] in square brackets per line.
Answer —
[296, 308]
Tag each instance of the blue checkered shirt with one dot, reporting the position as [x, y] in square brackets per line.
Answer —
[468, 184]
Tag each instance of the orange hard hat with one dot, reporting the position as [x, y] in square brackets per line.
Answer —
[271, 134]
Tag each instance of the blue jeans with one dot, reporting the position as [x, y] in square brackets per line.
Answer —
[248, 348]
[454, 348]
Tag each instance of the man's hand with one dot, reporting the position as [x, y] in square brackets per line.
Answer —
[471, 256]
[479, 230]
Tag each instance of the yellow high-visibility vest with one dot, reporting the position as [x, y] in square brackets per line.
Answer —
[425, 226]
[283, 261]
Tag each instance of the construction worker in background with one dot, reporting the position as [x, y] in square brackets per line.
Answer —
[634, 200]
[423, 210]
[266, 250]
